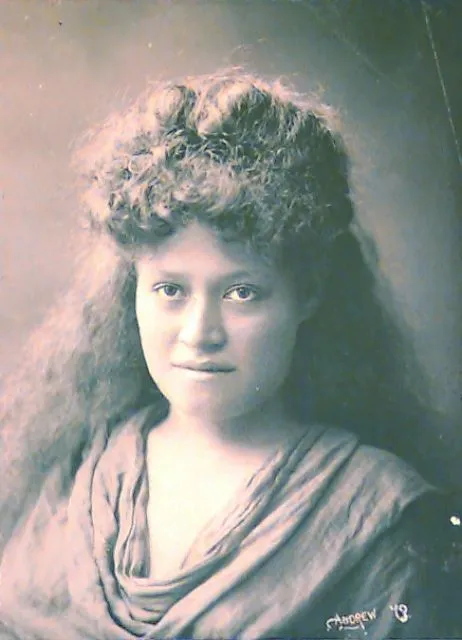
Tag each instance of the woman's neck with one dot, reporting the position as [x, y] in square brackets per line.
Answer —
[262, 430]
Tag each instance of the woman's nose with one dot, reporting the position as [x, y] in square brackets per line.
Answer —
[202, 325]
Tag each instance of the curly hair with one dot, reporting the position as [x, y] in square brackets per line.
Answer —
[233, 153]
[259, 164]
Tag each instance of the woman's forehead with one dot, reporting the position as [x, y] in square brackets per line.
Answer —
[197, 247]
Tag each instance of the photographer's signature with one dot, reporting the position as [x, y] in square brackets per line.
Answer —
[360, 619]
[356, 620]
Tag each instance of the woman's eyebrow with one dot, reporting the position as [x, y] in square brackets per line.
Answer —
[225, 276]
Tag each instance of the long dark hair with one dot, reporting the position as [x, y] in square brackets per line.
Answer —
[257, 163]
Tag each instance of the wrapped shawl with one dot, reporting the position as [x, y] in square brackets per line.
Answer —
[310, 547]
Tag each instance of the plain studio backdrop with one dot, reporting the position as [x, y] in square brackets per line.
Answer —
[392, 68]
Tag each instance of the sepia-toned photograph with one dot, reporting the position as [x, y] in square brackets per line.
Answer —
[230, 319]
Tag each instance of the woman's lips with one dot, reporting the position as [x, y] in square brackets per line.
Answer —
[205, 367]
[204, 371]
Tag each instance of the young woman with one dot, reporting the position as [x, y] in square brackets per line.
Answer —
[178, 451]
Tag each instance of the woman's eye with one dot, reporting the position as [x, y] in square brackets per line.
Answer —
[243, 293]
[172, 291]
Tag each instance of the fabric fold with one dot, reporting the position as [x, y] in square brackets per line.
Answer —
[269, 563]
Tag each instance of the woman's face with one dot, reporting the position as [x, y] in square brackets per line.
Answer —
[217, 324]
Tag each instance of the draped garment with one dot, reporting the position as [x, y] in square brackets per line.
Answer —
[310, 547]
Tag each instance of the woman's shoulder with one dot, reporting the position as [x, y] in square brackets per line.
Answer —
[430, 523]
[427, 521]
[390, 471]
[374, 470]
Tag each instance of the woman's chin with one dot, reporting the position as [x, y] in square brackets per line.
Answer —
[206, 409]
[218, 408]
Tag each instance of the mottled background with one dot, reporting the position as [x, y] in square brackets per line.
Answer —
[64, 65]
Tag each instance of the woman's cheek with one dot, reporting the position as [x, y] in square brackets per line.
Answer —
[156, 336]
[271, 346]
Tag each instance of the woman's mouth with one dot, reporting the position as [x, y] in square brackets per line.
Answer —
[205, 367]
[204, 370]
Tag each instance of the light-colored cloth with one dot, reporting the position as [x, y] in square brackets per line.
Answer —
[311, 547]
